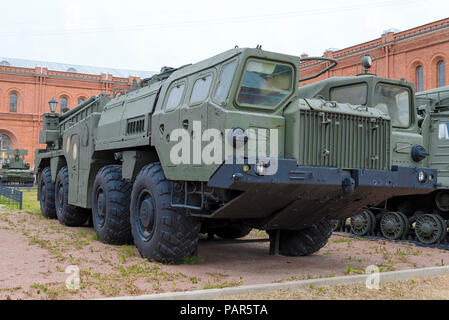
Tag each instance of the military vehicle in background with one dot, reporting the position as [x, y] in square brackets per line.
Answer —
[419, 138]
[120, 156]
[15, 171]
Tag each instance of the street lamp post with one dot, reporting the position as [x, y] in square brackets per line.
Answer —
[53, 105]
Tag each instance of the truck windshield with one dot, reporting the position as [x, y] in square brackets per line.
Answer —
[395, 102]
[352, 94]
[265, 84]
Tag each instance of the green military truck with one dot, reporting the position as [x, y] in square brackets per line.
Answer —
[15, 171]
[221, 146]
[418, 139]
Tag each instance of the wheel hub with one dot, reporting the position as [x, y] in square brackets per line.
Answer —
[60, 194]
[390, 225]
[359, 222]
[101, 205]
[426, 229]
[43, 192]
[147, 213]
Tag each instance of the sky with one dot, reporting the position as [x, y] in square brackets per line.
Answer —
[147, 35]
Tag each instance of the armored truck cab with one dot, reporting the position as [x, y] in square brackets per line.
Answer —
[220, 146]
[415, 141]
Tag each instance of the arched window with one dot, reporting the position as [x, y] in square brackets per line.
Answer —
[13, 102]
[81, 100]
[5, 142]
[63, 103]
[441, 74]
[419, 79]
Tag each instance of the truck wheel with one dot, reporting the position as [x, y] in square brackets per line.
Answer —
[161, 232]
[236, 231]
[110, 206]
[47, 194]
[67, 214]
[306, 241]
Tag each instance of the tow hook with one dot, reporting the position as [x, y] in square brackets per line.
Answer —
[348, 185]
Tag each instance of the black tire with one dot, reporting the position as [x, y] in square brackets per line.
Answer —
[110, 206]
[47, 194]
[161, 233]
[67, 214]
[306, 241]
[235, 231]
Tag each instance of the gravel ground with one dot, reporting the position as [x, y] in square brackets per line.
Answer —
[36, 252]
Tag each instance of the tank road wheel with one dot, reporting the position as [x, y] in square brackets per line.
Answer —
[444, 224]
[363, 224]
[338, 225]
[235, 231]
[161, 232]
[394, 225]
[429, 229]
[110, 206]
[67, 214]
[306, 241]
[442, 200]
[47, 194]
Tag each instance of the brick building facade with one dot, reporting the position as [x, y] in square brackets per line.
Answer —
[420, 55]
[27, 86]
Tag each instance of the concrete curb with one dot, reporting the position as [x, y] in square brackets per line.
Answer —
[294, 285]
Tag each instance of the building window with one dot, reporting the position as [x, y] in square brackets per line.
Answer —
[63, 103]
[13, 102]
[81, 100]
[5, 142]
[5, 145]
[419, 79]
[441, 73]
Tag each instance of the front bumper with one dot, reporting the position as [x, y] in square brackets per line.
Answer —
[295, 196]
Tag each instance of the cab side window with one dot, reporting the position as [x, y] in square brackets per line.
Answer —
[201, 89]
[226, 76]
[175, 96]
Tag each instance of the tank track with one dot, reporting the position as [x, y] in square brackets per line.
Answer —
[345, 229]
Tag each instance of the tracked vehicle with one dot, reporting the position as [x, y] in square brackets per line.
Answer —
[15, 171]
[220, 146]
[419, 139]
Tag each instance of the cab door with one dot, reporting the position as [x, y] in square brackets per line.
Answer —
[193, 118]
[166, 121]
[72, 155]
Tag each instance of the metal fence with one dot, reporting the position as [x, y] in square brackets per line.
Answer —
[11, 197]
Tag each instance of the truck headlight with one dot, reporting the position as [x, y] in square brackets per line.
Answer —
[422, 176]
